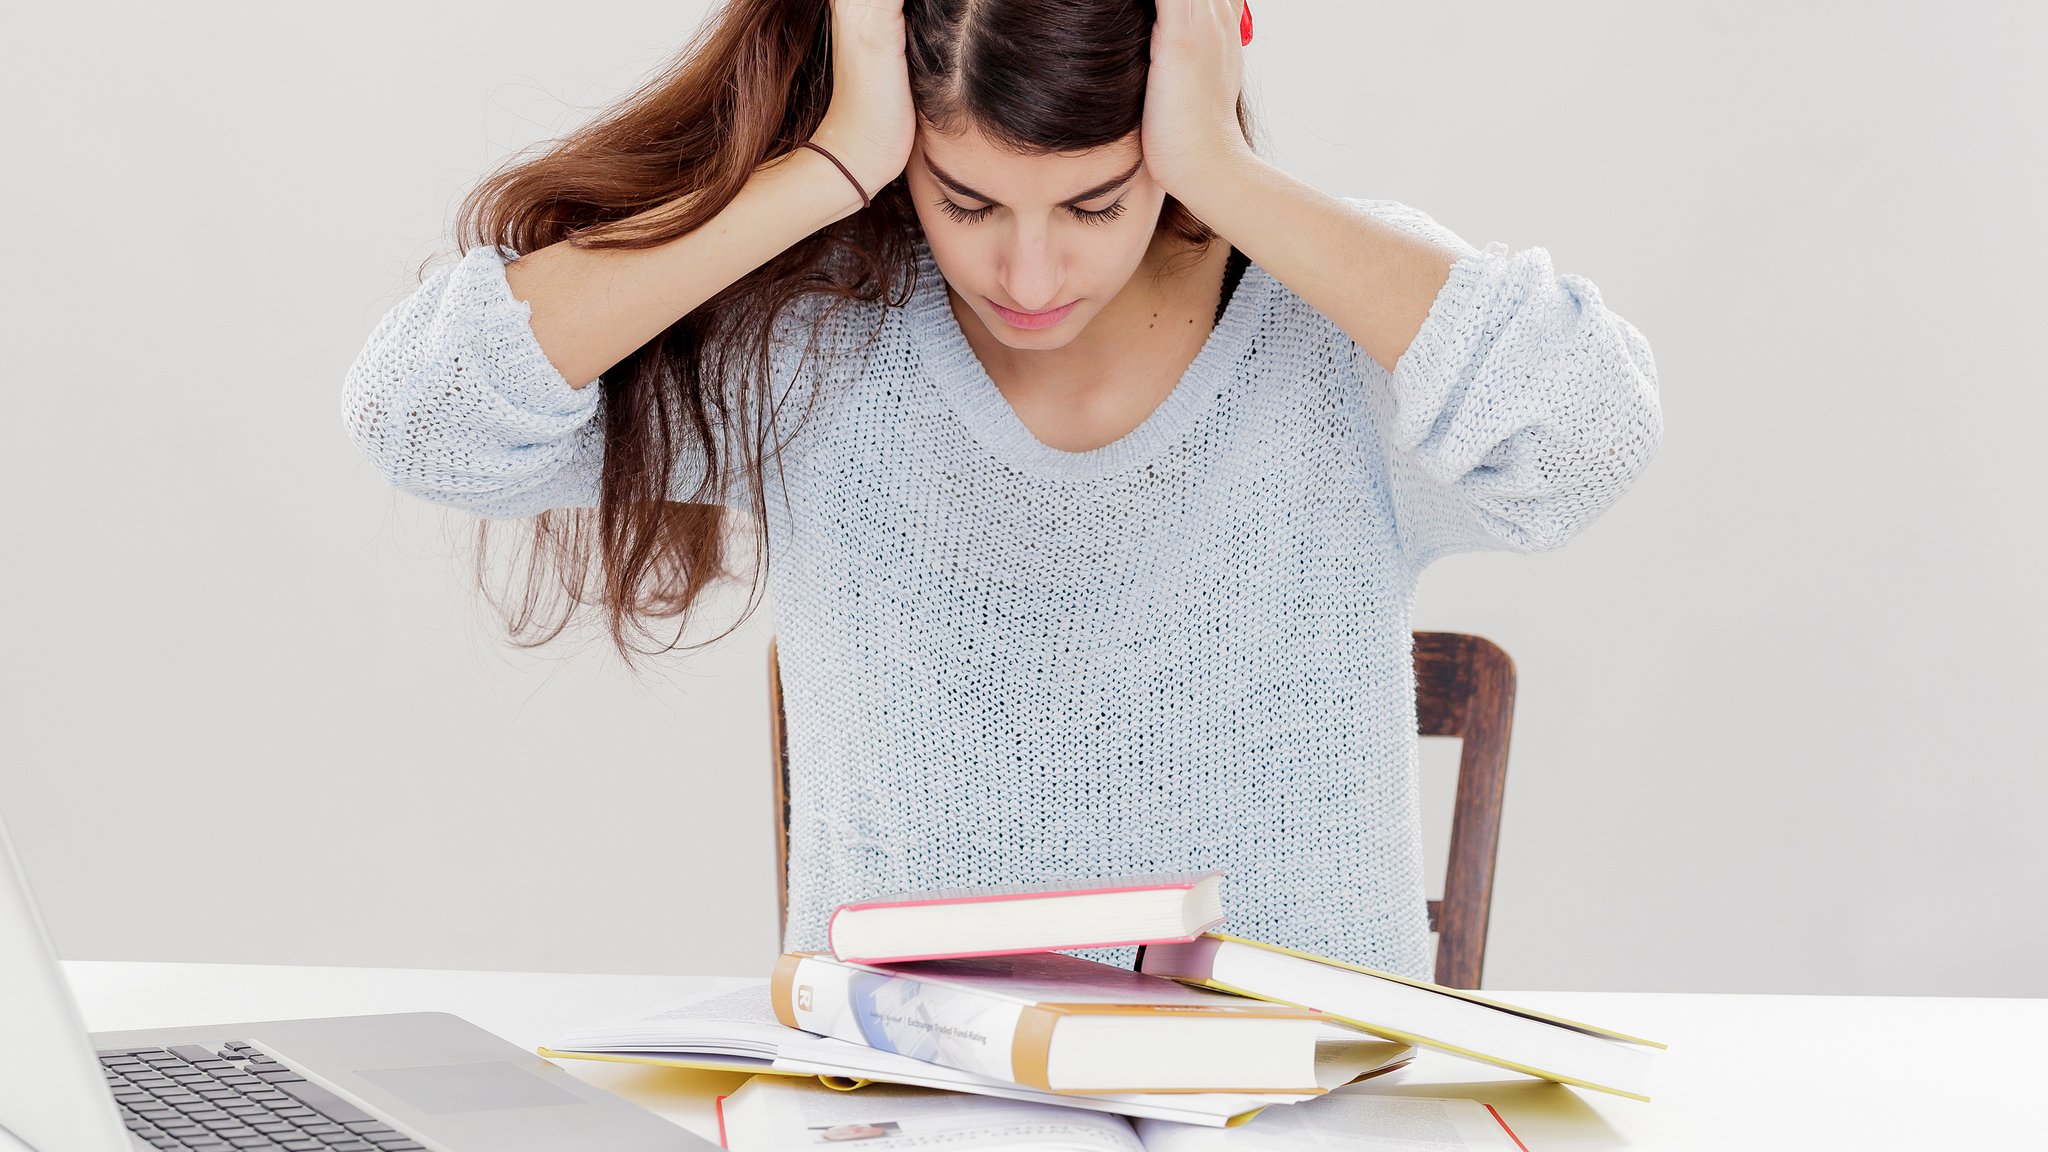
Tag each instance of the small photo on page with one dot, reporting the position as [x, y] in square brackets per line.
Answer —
[857, 1130]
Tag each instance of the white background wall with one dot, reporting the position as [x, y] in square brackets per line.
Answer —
[1779, 726]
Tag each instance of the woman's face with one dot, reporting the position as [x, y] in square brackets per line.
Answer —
[1033, 233]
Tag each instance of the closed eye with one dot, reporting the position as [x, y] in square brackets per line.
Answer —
[975, 215]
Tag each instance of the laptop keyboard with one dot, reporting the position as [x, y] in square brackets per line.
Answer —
[237, 1099]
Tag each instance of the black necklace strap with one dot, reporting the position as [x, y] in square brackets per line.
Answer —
[1232, 272]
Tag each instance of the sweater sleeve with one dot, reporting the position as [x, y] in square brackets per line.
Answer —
[1522, 409]
[453, 400]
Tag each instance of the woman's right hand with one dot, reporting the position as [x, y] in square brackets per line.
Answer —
[870, 123]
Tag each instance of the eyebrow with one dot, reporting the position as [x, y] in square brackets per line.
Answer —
[960, 189]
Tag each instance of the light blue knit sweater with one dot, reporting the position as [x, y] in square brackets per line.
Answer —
[1004, 662]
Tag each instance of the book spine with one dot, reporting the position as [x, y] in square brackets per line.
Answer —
[781, 985]
[940, 1024]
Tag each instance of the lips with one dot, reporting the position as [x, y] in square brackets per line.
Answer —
[1033, 319]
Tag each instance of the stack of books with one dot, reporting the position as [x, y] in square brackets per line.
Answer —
[971, 991]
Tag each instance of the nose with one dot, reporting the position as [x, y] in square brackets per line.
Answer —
[1031, 269]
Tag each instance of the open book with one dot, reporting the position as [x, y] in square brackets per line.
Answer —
[769, 1114]
[737, 1031]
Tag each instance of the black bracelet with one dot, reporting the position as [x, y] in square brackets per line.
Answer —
[835, 160]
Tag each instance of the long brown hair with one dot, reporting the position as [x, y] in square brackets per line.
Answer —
[752, 83]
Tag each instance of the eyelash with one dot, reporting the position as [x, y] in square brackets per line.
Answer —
[972, 215]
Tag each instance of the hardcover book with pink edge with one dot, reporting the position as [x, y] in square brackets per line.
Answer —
[1000, 921]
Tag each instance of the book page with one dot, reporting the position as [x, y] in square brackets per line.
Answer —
[776, 1114]
[1347, 1122]
[740, 1022]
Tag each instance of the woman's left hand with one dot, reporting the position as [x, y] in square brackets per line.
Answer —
[1190, 127]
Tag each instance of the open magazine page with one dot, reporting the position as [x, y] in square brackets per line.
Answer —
[741, 1024]
[1348, 1122]
[777, 1114]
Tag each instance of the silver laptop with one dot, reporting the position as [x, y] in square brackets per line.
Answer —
[392, 1083]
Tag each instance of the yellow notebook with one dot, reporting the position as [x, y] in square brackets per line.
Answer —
[1413, 1011]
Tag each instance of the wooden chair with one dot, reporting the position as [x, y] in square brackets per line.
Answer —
[1464, 687]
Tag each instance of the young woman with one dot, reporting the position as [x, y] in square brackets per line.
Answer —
[1092, 459]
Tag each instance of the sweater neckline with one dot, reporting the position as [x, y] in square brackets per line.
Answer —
[963, 380]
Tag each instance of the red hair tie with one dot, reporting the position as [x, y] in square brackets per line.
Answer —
[1244, 24]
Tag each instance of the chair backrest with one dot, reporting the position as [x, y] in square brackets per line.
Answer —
[1464, 687]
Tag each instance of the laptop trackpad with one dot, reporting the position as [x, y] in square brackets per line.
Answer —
[492, 1085]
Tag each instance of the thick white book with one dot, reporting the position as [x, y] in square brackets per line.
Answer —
[736, 1031]
[1018, 918]
[1055, 1022]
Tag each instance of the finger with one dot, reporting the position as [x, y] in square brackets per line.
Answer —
[1221, 16]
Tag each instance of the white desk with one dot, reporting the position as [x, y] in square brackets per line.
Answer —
[1743, 1072]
